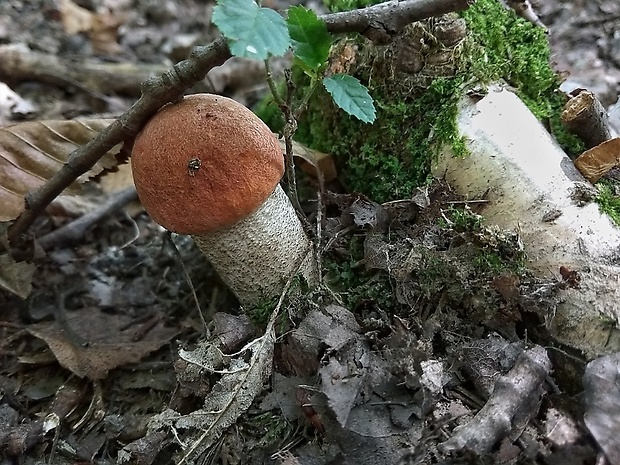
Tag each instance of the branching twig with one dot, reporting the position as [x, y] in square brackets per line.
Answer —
[378, 22]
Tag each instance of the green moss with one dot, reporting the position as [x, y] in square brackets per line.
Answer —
[261, 312]
[495, 251]
[388, 159]
[347, 277]
[516, 51]
[608, 201]
[346, 5]
[269, 428]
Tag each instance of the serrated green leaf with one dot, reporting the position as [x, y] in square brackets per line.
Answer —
[311, 41]
[252, 31]
[350, 95]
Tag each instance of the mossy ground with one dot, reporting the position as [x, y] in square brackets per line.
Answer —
[415, 118]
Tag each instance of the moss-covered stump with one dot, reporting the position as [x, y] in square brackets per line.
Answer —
[416, 82]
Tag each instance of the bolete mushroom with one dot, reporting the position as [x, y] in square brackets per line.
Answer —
[208, 167]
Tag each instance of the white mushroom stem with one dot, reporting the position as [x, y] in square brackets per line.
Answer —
[520, 169]
[256, 256]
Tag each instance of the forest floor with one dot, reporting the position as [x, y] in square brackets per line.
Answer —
[90, 369]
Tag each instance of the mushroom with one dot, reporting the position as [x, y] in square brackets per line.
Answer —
[208, 167]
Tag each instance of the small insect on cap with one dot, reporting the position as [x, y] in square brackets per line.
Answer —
[204, 164]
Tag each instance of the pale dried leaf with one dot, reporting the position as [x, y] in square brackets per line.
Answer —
[368, 213]
[231, 396]
[207, 356]
[91, 342]
[31, 153]
[75, 18]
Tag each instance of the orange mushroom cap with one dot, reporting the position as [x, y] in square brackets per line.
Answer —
[204, 164]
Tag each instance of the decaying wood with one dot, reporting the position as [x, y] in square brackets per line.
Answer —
[599, 160]
[585, 117]
[514, 401]
[19, 63]
[380, 23]
[515, 164]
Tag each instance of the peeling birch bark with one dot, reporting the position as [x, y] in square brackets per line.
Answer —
[521, 170]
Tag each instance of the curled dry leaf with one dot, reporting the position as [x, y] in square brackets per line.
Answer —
[314, 162]
[30, 153]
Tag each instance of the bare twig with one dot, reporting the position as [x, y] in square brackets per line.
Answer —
[76, 229]
[378, 22]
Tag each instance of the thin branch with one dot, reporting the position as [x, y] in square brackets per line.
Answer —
[381, 22]
[378, 23]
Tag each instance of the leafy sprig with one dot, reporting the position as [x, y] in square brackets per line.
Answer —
[257, 32]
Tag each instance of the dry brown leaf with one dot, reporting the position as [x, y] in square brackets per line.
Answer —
[597, 161]
[30, 153]
[75, 18]
[92, 342]
[16, 277]
[104, 33]
[311, 160]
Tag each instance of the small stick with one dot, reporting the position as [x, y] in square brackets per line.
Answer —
[515, 398]
[76, 229]
[585, 117]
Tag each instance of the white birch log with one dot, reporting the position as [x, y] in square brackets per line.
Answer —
[517, 165]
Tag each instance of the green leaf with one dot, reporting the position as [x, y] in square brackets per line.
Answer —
[350, 95]
[311, 41]
[252, 31]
